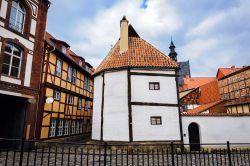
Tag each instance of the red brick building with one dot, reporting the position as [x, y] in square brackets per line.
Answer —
[22, 30]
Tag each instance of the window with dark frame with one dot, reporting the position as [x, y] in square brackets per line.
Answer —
[154, 86]
[156, 120]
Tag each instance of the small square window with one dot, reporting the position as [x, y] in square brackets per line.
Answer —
[155, 120]
[154, 86]
[57, 95]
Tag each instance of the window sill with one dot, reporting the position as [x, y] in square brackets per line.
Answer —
[10, 79]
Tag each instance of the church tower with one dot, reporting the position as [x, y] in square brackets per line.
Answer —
[172, 54]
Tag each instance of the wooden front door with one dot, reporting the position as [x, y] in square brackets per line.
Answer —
[194, 137]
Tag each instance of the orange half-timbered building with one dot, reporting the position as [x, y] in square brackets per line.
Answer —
[66, 79]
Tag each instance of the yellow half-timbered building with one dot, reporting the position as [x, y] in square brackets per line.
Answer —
[66, 92]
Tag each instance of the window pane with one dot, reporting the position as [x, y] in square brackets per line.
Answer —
[14, 72]
[5, 69]
[7, 59]
[8, 48]
[16, 51]
[15, 62]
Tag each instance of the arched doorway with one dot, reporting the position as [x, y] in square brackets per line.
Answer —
[194, 137]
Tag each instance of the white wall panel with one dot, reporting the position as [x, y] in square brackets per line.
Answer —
[141, 93]
[28, 70]
[115, 126]
[219, 129]
[96, 119]
[144, 131]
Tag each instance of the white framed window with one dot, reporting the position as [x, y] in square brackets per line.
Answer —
[12, 60]
[79, 103]
[17, 16]
[69, 73]
[156, 120]
[86, 83]
[86, 105]
[56, 95]
[81, 127]
[58, 71]
[71, 99]
[77, 127]
[52, 131]
[154, 86]
[60, 128]
[73, 127]
[73, 76]
[66, 127]
[64, 50]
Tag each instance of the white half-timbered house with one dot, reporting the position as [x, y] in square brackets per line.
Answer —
[135, 96]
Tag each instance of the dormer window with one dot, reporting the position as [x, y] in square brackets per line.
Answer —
[17, 15]
[64, 50]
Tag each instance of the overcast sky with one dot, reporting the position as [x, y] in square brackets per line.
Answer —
[208, 33]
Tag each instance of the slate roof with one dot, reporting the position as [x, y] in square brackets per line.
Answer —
[139, 54]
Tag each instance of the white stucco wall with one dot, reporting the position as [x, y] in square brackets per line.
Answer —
[115, 126]
[140, 89]
[144, 131]
[156, 71]
[96, 119]
[235, 129]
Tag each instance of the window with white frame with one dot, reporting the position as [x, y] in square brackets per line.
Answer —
[77, 127]
[66, 127]
[79, 103]
[73, 127]
[86, 83]
[17, 16]
[57, 95]
[12, 60]
[64, 50]
[58, 71]
[60, 128]
[73, 76]
[156, 120]
[81, 126]
[52, 131]
[154, 86]
[86, 105]
[71, 99]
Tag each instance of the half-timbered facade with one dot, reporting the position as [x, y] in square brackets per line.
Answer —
[235, 89]
[66, 79]
[135, 97]
[22, 29]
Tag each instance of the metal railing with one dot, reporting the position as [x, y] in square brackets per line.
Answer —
[18, 152]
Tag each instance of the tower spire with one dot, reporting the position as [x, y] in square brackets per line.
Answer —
[172, 54]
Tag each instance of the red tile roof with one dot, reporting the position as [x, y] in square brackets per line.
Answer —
[139, 54]
[195, 82]
[239, 101]
[209, 92]
[203, 107]
[226, 71]
[52, 41]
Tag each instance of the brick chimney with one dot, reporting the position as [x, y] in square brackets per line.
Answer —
[123, 35]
